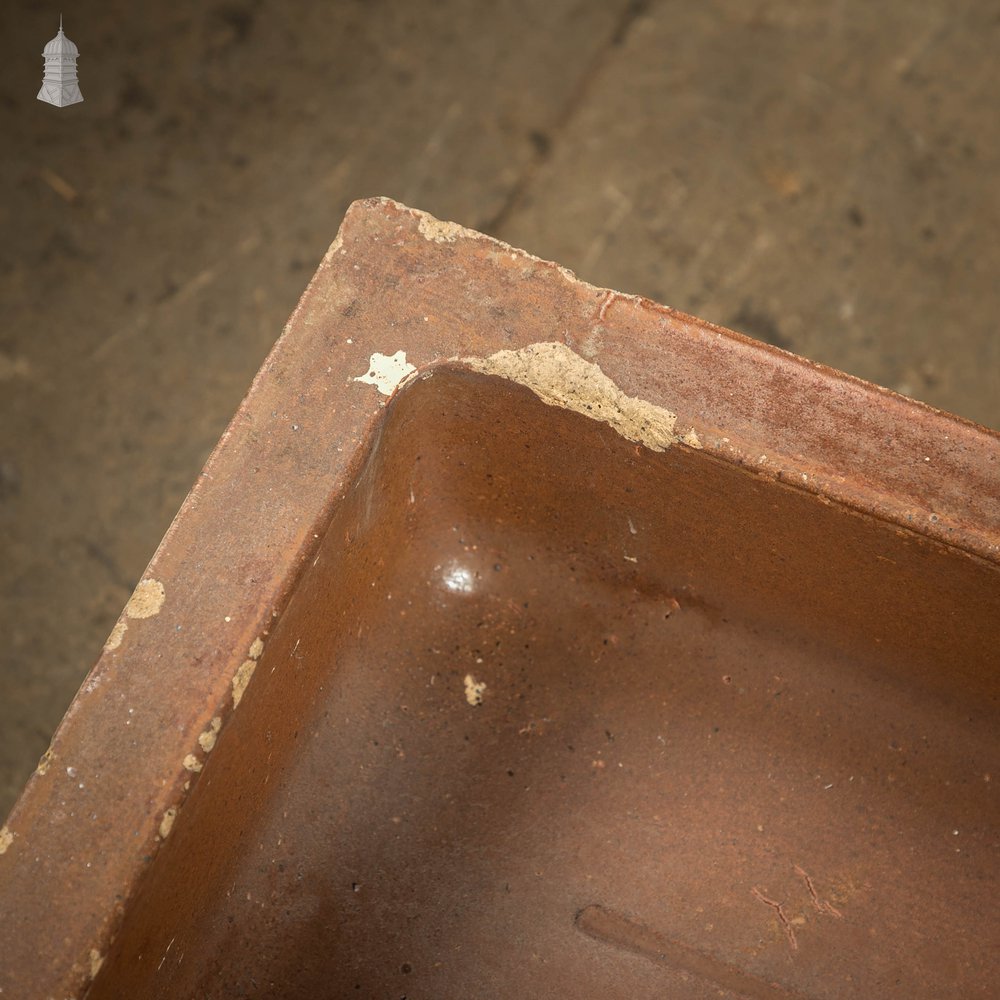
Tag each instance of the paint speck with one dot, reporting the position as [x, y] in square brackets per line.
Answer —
[146, 600]
[96, 961]
[6, 839]
[474, 690]
[71, 771]
[207, 739]
[44, 761]
[191, 763]
[241, 679]
[387, 371]
[166, 824]
[256, 648]
[117, 634]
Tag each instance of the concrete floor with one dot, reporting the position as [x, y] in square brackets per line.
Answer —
[821, 176]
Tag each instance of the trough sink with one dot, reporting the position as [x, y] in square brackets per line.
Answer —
[528, 639]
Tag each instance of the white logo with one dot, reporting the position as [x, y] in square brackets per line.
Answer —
[59, 85]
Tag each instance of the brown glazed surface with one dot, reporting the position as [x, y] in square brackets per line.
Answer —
[738, 729]
[761, 694]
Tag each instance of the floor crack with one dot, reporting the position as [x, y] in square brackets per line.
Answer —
[542, 142]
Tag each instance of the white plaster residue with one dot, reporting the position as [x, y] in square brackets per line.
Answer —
[242, 676]
[691, 439]
[386, 372]
[44, 761]
[96, 961]
[560, 377]
[442, 232]
[241, 679]
[117, 634]
[146, 599]
[207, 739]
[191, 763]
[167, 823]
[6, 839]
[474, 690]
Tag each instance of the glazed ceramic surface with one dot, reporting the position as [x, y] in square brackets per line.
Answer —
[527, 639]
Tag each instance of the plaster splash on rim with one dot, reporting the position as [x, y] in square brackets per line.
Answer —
[145, 602]
[442, 232]
[387, 372]
[560, 377]
[242, 676]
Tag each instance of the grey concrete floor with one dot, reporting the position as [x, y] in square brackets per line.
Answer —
[821, 176]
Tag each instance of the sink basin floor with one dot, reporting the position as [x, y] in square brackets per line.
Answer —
[670, 787]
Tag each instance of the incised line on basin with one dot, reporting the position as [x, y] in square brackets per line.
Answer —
[821, 905]
[782, 919]
[627, 933]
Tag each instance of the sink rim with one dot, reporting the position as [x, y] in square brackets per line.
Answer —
[397, 280]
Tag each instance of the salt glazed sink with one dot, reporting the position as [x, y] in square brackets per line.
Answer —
[522, 638]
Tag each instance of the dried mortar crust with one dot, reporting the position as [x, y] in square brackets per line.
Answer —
[560, 377]
[441, 232]
[146, 599]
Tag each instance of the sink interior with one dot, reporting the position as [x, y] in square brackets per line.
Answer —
[732, 737]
